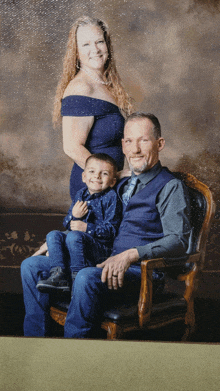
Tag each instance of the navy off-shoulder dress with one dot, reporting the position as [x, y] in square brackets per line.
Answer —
[105, 135]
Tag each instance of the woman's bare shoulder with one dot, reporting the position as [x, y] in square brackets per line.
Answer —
[78, 86]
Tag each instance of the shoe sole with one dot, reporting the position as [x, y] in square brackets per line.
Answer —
[46, 288]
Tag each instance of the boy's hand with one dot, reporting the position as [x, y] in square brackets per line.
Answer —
[78, 226]
[80, 209]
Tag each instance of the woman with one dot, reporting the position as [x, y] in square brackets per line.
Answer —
[90, 99]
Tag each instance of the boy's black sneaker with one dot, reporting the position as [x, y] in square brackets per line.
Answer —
[57, 281]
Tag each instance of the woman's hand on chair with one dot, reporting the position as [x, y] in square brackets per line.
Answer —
[42, 250]
[123, 173]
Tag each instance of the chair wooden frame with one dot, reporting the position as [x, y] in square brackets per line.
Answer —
[144, 320]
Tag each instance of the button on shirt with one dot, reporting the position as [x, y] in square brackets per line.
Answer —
[103, 217]
[173, 205]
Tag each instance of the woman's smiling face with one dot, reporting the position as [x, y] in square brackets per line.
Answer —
[92, 48]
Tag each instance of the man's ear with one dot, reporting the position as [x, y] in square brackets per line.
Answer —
[83, 177]
[161, 144]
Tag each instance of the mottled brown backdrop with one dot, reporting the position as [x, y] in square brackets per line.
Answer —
[167, 53]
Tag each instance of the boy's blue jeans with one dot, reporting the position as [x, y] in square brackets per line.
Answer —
[90, 299]
[75, 250]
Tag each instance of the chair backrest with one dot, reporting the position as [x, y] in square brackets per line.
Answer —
[202, 212]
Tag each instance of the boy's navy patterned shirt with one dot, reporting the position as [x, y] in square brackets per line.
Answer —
[103, 217]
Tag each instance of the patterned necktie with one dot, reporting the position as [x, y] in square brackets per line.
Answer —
[127, 195]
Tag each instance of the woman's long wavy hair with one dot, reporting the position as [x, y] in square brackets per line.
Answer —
[71, 66]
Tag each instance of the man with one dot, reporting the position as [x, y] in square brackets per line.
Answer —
[155, 224]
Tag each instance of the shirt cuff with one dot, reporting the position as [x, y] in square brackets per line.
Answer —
[66, 222]
[145, 252]
[90, 229]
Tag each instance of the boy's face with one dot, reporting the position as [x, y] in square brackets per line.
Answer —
[98, 176]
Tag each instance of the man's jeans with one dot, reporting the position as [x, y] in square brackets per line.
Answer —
[75, 250]
[90, 299]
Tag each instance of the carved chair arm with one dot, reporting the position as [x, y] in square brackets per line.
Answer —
[146, 291]
[145, 297]
[150, 264]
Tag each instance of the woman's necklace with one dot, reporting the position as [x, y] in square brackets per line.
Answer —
[94, 78]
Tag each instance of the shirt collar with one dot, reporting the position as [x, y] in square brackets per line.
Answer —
[95, 195]
[147, 176]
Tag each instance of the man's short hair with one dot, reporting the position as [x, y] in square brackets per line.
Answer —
[151, 117]
[105, 158]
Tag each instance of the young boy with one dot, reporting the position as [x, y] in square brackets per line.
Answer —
[92, 222]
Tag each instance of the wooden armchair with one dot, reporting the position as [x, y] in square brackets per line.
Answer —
[177, 301]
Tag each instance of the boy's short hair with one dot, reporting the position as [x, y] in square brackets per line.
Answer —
[105, 158]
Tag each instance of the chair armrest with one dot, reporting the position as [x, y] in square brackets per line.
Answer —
[150, 264]
[146, 291]
[161, 263]
[145, 297]
[194, 258]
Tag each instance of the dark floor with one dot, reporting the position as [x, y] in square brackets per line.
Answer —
[207, 316]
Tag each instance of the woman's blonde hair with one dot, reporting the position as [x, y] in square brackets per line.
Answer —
[71, 66]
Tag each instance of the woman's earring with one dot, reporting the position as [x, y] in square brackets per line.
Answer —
[77, 64]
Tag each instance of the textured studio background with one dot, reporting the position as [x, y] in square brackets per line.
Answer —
[167, 54]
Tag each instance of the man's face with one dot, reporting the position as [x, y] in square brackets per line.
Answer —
[140, 146]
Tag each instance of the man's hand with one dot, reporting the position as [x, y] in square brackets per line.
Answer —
[114, 268]
[80, 209]
[78, 225]
[42, 250]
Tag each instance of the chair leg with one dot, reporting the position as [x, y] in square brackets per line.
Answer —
[189, 331]
[114, 331]
[189, 321]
